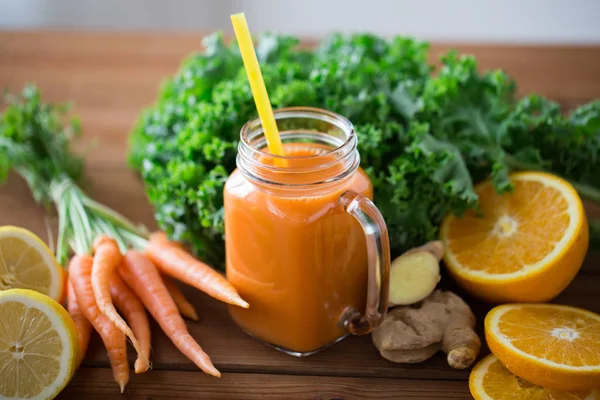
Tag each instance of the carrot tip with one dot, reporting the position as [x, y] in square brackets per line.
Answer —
[140, 366]
[242, 303]
[189, 312]
[213, 371]
[122, 386]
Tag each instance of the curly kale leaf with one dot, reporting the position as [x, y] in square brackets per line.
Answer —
[427, 180]
[185, 144]
[468, 108]
[543, 138]
[424, 136]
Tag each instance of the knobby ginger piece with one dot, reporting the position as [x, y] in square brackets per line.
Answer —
[443, 321]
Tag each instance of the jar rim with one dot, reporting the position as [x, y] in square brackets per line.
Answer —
[340, 156]
[298, 112]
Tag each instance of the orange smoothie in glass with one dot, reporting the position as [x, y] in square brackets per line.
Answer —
[298, 230]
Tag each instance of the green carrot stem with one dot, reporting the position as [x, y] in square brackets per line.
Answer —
[114, 217]
[140, 243]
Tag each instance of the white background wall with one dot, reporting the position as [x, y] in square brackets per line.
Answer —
[528, 21]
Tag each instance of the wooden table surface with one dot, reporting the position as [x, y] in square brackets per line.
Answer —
[111, 77]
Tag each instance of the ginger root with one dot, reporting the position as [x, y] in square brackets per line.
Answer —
[443, 321]
[415, 274]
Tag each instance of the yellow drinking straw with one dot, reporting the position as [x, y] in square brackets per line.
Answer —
[257, 84]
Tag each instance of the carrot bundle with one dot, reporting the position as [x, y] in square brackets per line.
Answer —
[108, 281]
[80, 270]
[186, 309]
[174, 261]
[143, 277]
[87, 227]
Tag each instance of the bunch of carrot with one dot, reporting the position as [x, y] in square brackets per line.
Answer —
[105, 274]
[133, 282]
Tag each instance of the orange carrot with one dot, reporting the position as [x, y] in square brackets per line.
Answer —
[80, 270]
[135, 313]
[84, 328]
[107, 258]
[185, 307]
[178, 263]
[143, 278]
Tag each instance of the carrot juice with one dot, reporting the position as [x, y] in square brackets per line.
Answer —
[294, 254]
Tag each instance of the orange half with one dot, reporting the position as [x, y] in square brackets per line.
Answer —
[527, 246]
[490, 380]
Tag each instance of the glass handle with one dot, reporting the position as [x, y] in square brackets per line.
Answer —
[378, 255]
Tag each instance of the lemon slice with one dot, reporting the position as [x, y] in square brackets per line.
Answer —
[27, 263]
[38, 345]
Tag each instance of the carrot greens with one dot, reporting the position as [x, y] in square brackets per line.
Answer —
[35, 142]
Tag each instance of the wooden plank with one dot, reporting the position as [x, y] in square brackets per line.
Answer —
[355, 356]
[562, 72]
[67, 60]
[98, 384]
[102, 47]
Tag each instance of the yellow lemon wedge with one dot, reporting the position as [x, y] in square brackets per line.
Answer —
[490, 380]
[527, 246]
[38, 345]
[27, 263]
[550, 345]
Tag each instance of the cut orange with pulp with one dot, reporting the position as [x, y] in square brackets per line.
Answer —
[550, 345]
[490, 380]
[527, 246]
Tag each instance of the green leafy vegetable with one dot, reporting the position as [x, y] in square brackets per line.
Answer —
[35, 140]
[425, 136]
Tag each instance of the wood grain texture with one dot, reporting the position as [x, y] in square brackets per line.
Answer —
[111, 77]
[355, 356]
[96, 384]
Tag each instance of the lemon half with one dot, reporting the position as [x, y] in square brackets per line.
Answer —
[27, 263]
[38, 345]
